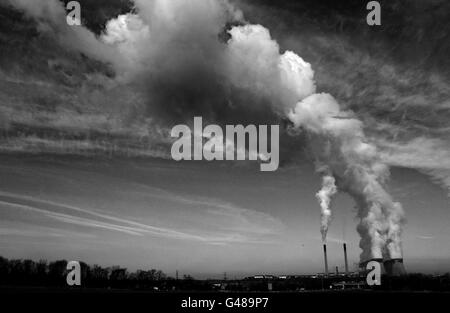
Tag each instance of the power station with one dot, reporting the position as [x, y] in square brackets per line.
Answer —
[390, 267]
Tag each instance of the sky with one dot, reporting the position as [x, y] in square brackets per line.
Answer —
[85, 117]
[197, 218]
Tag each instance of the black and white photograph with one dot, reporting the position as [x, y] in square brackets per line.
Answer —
[224, 155]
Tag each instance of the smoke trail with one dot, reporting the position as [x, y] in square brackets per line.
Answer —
[325, 196]
[338, 140]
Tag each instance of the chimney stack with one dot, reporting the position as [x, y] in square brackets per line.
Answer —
[345, 258]
[325, 258]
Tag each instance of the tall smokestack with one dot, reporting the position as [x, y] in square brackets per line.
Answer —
[325, 258]
[345, 259]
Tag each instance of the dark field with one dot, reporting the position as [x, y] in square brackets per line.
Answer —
[57, 299]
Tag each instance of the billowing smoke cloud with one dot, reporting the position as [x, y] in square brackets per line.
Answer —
[336, 137]
[187, 60]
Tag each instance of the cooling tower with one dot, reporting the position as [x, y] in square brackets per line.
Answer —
[394, 267]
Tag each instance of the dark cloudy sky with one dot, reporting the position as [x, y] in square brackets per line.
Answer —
[85, 171]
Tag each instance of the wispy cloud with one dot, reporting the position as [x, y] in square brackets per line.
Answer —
[330, 239]
[241, 228]
[41, 232]
[230, 217]
[430, 156]
[428, 237]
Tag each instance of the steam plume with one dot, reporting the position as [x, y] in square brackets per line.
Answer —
[338, 140]
[325, 196]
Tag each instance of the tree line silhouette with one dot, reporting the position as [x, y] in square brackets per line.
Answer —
[28, 273]
[53, 274]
